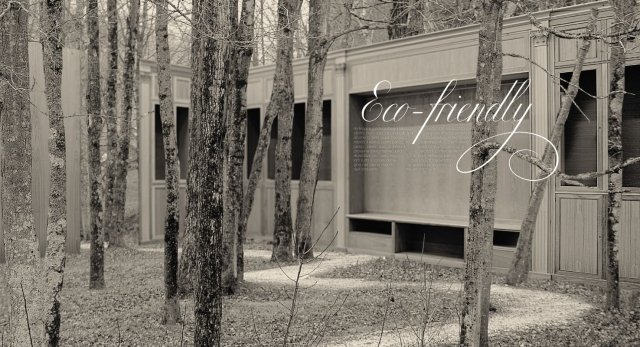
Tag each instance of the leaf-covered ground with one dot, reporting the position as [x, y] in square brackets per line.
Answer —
[595, 328]
[128, 311]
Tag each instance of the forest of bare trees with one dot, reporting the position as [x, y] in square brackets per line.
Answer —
[220, 40]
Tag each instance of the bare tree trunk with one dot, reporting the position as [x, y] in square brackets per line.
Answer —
[186, 265]
[109, 229]
[171, 224]
[232, 174]
[625, 14]
[415, 22]
[128, 101]
[406, 18]
[519, 270]
[479, 245]
[57, 219]
[236, 133]
[398, 19]
[345, 23]
[281, 104]
[210, 59]
[94, 125]
[318, 47]
[262, 34]
[21, 245]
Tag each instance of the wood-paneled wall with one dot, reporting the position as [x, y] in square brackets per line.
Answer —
[71, 104]
[629, 240]
[579, 234]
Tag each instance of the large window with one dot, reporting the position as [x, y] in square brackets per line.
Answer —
[253, 136]
[297, 143]
[631, 126]
[182, 133]
[580, 143]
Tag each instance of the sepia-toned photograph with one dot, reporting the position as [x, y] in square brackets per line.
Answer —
[320, 173]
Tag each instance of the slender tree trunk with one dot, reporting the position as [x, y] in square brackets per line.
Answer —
[236, 133]
[415, 22]
[262, 34]
[625, 15]
[112, 128]
[21, 245]
[210, 59]
[398, 19]
[57, 220]
[128, 102]
[232, 174]
[318, 47]
[171, 225]
[281, 104]
[94, 125]
[519, 270]
[345, 23]
[479, 245]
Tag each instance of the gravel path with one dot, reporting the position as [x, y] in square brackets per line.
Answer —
[518, 308]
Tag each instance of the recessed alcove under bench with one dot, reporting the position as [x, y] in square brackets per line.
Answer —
[435, 239]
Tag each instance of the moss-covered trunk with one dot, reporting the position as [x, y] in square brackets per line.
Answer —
[25, 326]
[171, 224]
[479, 242]
[110, 113]
[129, 101]
[234, 150]
[51, 19]
[281, 105]
[624, 11]
[318, 47]
[94, 126]
[209, 64]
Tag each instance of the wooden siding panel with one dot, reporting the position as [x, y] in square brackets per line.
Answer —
[39, 145]
[144, 159]
[434, 63]
[629, 240]
[255, 95]
[579, 230]
[323, 210]
[74, 116]
[160, 211]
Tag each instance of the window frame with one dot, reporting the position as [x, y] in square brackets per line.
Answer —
[331, 163]
[630, 189]
[176, 104]
[601, 117]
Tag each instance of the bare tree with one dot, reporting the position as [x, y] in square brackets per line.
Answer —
[112, 126]
[624, 11]
[94, 126]
[519, 270]
[234, 150]
[52, 41]
[479, 243]
[129, 100]
[209, 64]
[281, 104]
[172, 220]
[17, 215]
[318, 49]
[232, 171]
[406, 18]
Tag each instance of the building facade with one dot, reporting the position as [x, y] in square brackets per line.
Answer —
[392, 196]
